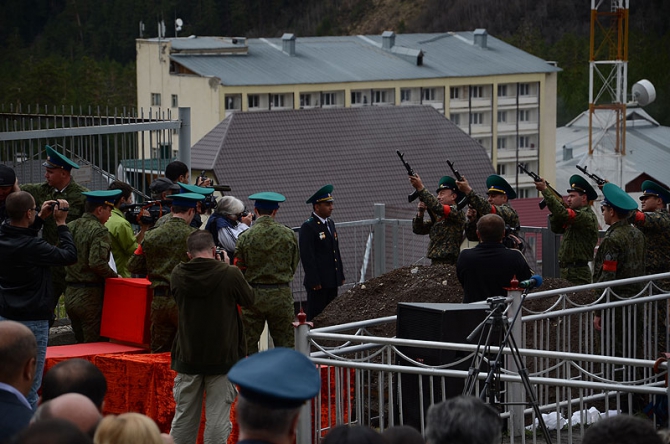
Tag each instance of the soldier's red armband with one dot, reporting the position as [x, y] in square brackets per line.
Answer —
[609, 266]
[571, 215]
[139, 251]
[493, 209]
[639, 218]
[238, 264]
[446, 209]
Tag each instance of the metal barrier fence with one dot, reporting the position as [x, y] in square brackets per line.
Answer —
[577, 372]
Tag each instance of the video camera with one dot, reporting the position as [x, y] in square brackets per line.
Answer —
[156, 209]
[497, 303]
[512, 239]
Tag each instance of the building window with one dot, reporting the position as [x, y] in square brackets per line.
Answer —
[429, 94]
[155, 99]
[328, 99]
[356, 97]
[305, 100]
[524, 89]
[405, 95]
[502, 143]
[453, 93]
[476, 118]
[502, 116]
[175, 101]
[524, 115]
[379, 97]
[277, 100]
[456, 118]
[253, 100]
[476, 92]
[501, 169]
[502, 90]
[524, 142]
[523, 193]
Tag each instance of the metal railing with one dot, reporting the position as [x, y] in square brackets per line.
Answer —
[577, 372]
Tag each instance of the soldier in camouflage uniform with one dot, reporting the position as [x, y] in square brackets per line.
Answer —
[621, 253]
[499, 193]
[85, 279]
[59, 185]
[268, 255]
[578, 225]
[654, 222]
[446, 220]
[162, 249]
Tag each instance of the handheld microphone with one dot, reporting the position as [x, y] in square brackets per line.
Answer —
[534, 282]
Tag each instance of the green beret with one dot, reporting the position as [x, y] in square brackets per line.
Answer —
[187, 200]
[496, 184]
[323, 195]
[188, 188]
[650, 188]
[579, 184]
[617, 198]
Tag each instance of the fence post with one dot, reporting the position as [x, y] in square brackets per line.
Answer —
[515, 389]
[304, 431]
[185, 136]
[379, 265]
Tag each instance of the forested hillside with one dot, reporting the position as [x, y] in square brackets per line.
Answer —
[81, 52]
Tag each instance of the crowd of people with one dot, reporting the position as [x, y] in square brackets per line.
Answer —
[214, 289]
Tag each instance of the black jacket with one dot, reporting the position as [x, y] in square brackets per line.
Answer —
[485, 271]
[320, 254]
[26, 290]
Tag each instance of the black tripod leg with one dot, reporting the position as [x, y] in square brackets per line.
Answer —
[476, 366]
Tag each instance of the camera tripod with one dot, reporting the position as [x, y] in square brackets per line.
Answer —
[499, 328]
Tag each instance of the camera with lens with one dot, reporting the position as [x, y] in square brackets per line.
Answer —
[497, 303]
[245, 213]
[156, 209]
[512, 239]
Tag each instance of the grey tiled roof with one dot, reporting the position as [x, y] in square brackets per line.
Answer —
[359, 58]
[295, 152]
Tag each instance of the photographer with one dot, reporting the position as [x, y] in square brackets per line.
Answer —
[227, 223]
[485, 271]
[124, 240]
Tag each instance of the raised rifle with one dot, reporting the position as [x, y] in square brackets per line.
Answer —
[537, 178]
[594, 177]
[459, 178]
[410, 172]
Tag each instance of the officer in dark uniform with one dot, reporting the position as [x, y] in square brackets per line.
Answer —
[273, 386]
[320, 253]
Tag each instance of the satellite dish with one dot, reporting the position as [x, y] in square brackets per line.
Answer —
[644, 92]
[178, 24]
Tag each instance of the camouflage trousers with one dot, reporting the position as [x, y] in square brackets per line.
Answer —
[274, 305]
[84, 308]
[577, 275]
[164, 320]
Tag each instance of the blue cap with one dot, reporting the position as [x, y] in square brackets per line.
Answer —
[323, 195]
[617, 198]
[57, 160]
[277, 378]
[651, 188]
[497, 184]
[187, 200]
[267, 200]
[188, 188]
[106, 197]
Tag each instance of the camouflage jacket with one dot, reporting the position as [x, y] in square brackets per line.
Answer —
[620, 255]
[578, 227]
[446, 231]
[162, 249]
[267, 253]
[656, 229]
[94, 245]
[42, 192]
[483, 207]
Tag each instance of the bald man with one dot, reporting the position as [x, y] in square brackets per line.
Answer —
[73, 407]
[18, 358]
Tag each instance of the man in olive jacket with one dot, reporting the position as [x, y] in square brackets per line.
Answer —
[209, 341]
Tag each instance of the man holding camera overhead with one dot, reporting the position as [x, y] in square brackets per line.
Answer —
[163, 248]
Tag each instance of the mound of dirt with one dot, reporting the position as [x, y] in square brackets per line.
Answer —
[379, 296]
